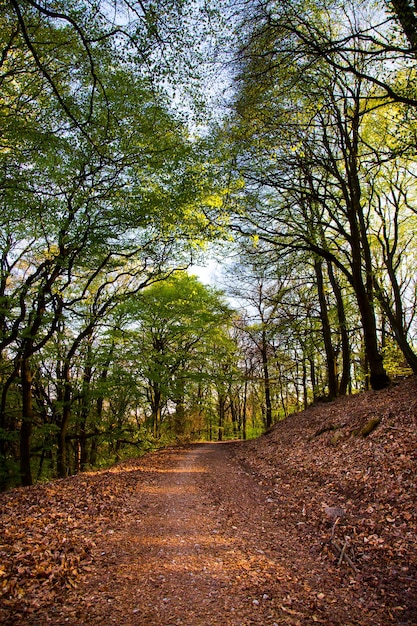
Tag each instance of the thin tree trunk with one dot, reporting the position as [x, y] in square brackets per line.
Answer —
[179, 417]
[313, 377]
[27, 420]
[344, 336]
[62, 463]
[234, 414]
[222, 413]
[245, 401]
[305, 391]
[326, 331]
[156, 410]
[395, 314]
[267, 382]
[82, 458]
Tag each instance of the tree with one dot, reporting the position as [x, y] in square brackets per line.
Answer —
[102, 189]
[405, 13]
[263, 297]
[172, 327]
[304, 159]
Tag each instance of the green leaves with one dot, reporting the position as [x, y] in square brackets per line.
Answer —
[174, 328]
[102, 189]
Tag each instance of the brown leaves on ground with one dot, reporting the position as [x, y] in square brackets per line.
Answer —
[334, 519]
[323, 459]
[48, 534]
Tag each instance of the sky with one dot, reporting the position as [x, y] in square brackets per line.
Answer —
[209, 273]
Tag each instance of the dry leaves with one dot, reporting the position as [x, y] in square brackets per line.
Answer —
[337, 534]
[47, 536]
[352, 496]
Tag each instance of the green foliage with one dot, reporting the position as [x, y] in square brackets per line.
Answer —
[172, 329]
[394, 360]
[102, 192]
[108, 193]
[320, 115]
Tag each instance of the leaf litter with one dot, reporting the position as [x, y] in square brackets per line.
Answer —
[314, 522]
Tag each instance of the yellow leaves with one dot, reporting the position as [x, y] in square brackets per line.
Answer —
[298, 148]
[215, 201]
[239, 183]
[52, 252]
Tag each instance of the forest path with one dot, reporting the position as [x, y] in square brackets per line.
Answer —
[199, 546]
[232, 534]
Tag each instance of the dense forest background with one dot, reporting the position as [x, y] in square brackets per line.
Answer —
[139, 137]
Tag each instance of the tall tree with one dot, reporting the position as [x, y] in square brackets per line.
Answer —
[297, 153]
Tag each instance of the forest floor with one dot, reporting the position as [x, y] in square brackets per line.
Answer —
[313, 523]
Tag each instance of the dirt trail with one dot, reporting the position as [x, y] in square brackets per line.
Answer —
[224, 534]
[232, 534]
[194, 551]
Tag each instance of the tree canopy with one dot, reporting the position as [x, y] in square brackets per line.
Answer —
[120, 163]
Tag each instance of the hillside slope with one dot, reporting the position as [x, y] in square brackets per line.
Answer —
[322, 460]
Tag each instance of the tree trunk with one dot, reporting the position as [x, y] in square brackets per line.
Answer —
[326, 331]
[27, 419]
[222, 413]
[313, 377]
[377, 375]
[84, 413]
[244, 410]
[157, 412]
[405, 12]
[234, 414]
[62, 463]
[305, 390]
[179, 417]
[360, 250]
[267, 382]
[406, 349]
[395, 315]
[344, 336]
[6, 424]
